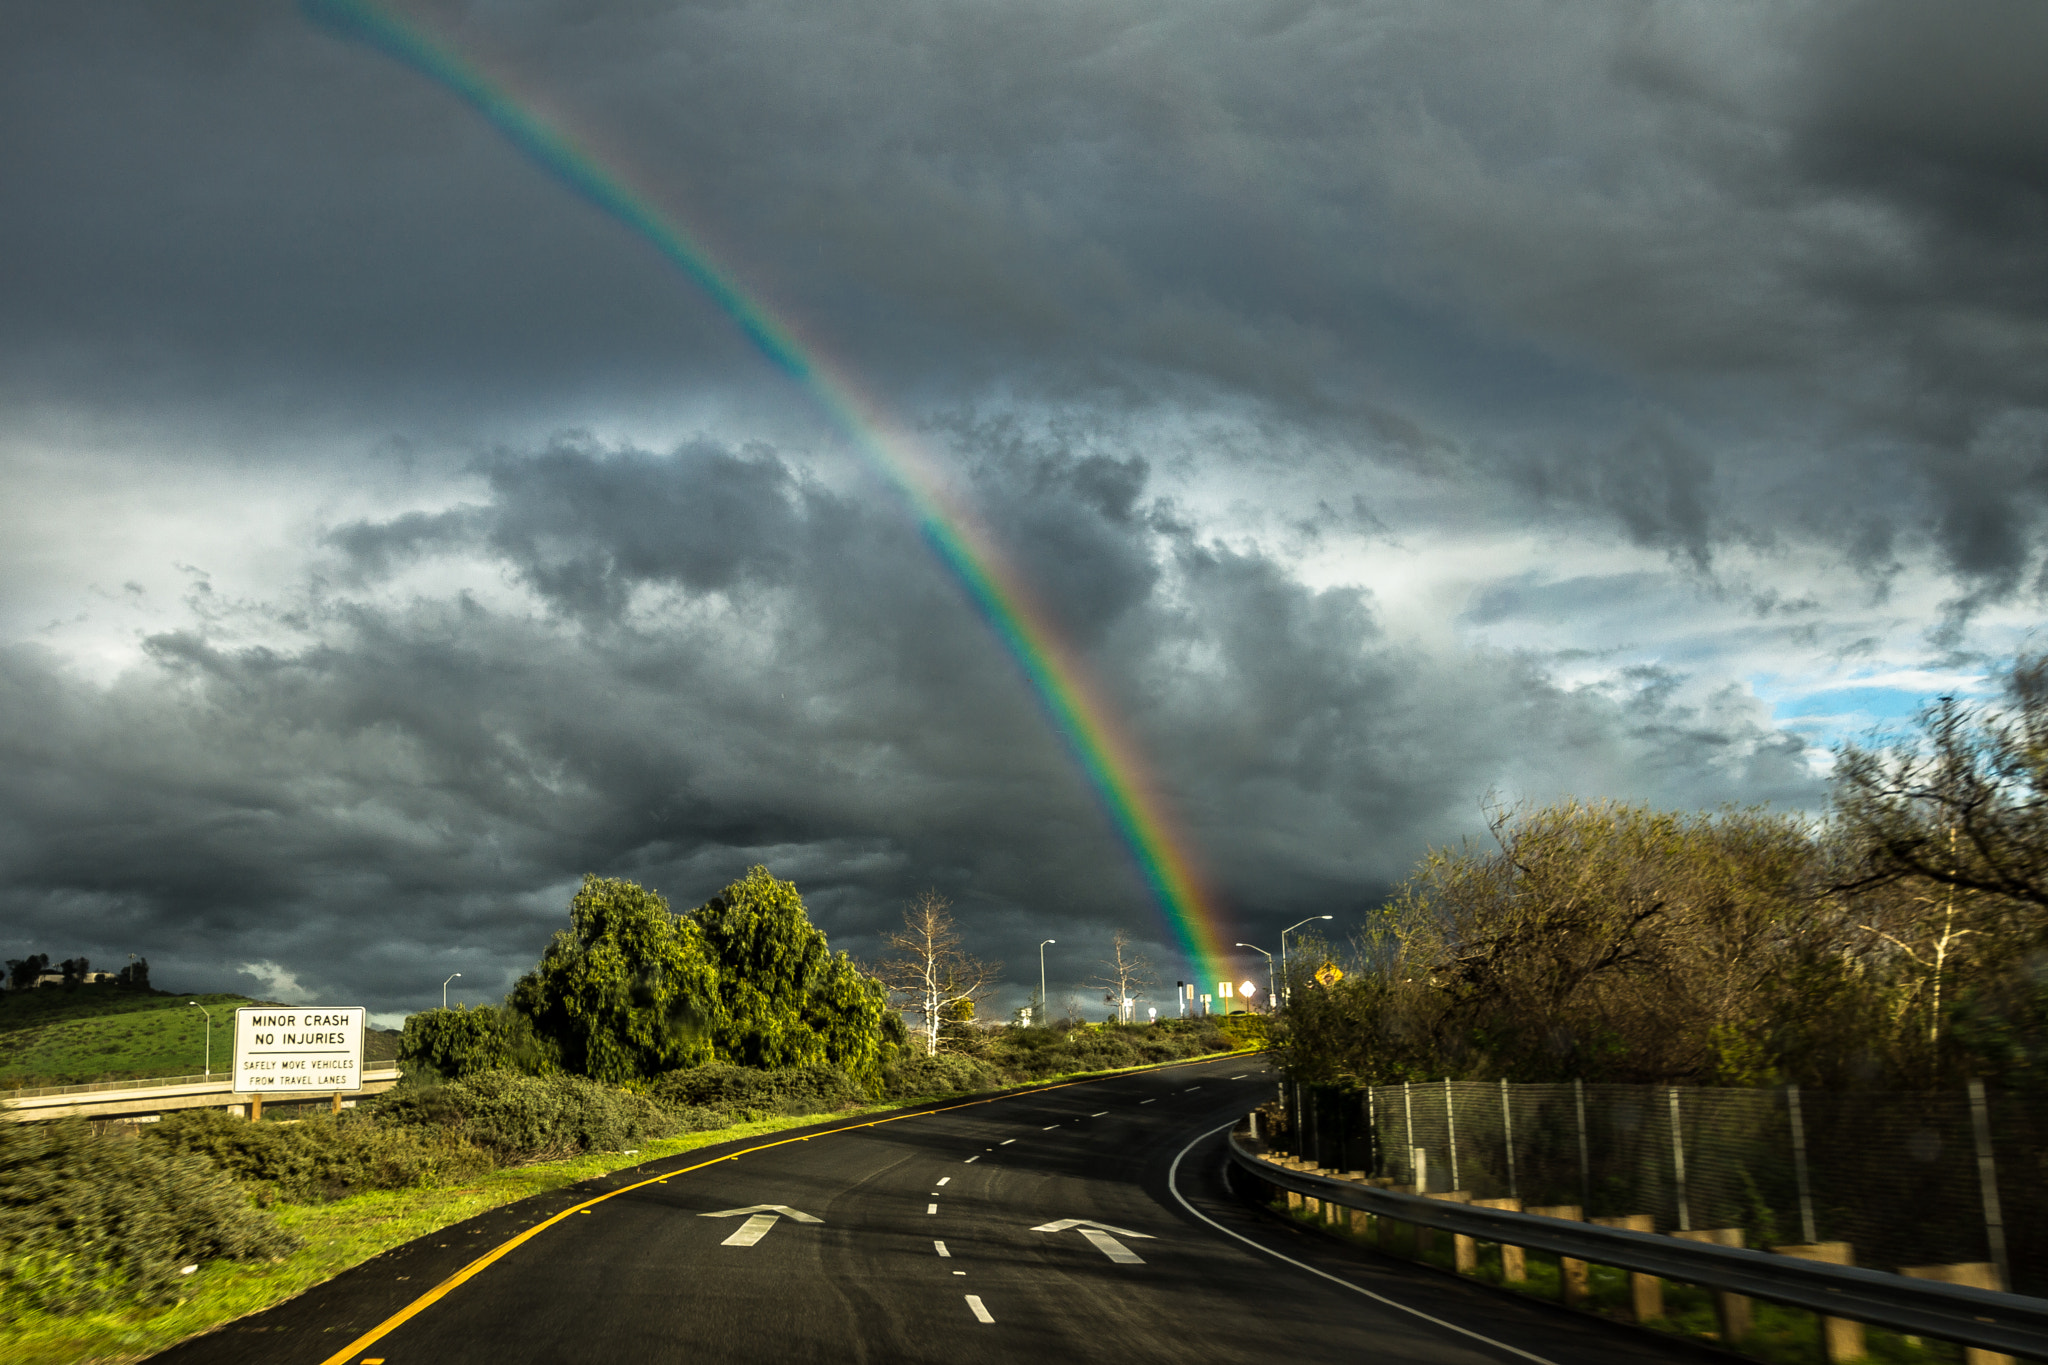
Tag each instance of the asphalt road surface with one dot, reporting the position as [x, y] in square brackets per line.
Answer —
[1092, 1222]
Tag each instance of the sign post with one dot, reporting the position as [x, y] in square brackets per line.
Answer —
[289, 1051]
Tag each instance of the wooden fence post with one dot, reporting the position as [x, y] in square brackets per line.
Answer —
[1571, 1274]
[1514, 1265]
[1731, 1311]
[1977, 1275]
[1645, 1292]
[1841, 1337]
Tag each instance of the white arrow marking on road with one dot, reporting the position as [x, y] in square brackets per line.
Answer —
[1066, 1223]
[1112, 1248]
[751, 1231]
[765, 1216]
[1099, 1238]
[796, 1215]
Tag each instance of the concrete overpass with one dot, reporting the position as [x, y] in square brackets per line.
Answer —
[161, 1095]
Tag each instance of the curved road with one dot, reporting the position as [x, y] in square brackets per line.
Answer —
[928, 1237]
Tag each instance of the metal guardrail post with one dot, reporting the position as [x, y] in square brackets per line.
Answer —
[1678, 1164]
[1585, 1156]
[1507, 1127]
[1987, 1182]
[1799, 1165]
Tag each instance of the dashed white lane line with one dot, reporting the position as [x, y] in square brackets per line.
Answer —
[931, 1208]
[941, 1246]
[1147, 1101]
[971, 1160]
[1239, 1078]
[944, 1178]
[1006, 1142]
[981, 1314]
[1097, 1116]
[1048, 1127]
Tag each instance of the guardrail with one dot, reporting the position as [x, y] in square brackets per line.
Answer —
[127, 1099]
[87, 1087]
[2013, 1324]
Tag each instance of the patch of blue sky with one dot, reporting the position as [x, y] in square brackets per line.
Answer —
[1879, 704]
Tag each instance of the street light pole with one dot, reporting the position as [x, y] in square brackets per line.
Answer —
[209, 1032]
[1283, 940]
[1043, 1011]
[1269, 971]
[444, 991]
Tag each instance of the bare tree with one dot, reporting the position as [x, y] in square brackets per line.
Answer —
[1124, 976]
[929, 973]
[1965, 805]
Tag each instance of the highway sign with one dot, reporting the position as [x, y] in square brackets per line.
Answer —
[316, 1048]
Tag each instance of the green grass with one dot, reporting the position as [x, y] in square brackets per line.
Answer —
[337, 1236]
[1780, 1335]
[349, 1231]
[52, 1036]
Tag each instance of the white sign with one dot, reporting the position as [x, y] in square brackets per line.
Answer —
[1247, 990]
[318, 1048]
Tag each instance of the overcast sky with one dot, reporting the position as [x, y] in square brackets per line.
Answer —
[1395, 402]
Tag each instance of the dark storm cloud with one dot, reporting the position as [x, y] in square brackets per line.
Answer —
[1687, 278]
[733, 665]
[1443, 232]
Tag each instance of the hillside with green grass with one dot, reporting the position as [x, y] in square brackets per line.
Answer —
[54, 1036]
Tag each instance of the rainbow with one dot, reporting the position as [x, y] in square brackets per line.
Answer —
[1071, 701]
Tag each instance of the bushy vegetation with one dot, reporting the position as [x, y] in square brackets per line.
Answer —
[317, 1159]
[736, 1093]
[631, 991]
[1900, 943]
[86, 1221]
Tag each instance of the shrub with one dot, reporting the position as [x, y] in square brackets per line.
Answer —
[87, 1221]
[322, 1158]
[525, 1118]
[913, 1076]
[747, 1092]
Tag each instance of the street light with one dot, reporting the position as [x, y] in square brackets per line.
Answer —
[444, 991]
[1283, 944]
[1043, 1012]
[209, 1032]
[1269, 970]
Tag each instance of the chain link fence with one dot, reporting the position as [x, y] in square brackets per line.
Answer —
[1906, 1179]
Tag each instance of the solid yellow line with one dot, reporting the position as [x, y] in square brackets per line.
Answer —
[485, 1261]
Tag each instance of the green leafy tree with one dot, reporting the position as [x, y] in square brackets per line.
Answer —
[449, 1044]
[625, 992]
[783, 998]
[23, 971]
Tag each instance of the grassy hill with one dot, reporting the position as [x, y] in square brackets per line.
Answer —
[53, 1036]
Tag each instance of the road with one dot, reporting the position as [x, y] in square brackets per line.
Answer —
[934, 1237]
